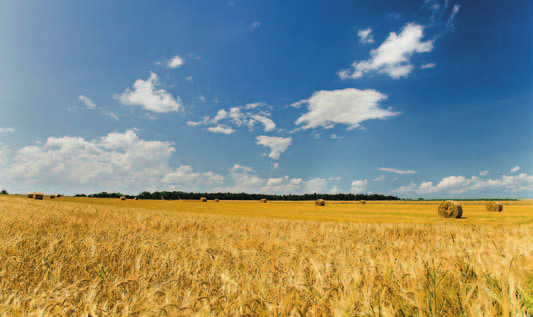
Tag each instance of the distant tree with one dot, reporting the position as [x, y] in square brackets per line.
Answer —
[4, 192]
[420, 198]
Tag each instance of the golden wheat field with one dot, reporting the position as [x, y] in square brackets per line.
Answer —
[106, 257]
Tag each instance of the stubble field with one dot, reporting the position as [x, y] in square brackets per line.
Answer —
[97, 257]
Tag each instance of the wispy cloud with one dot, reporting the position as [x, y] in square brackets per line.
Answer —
[87, 102]
[515, 169]
[428, 65]
[397, 171]
[483, 173]
[7, 130]
[255, 25]
[380, 178]
[366, 36]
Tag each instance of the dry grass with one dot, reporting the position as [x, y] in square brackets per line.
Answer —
[79, 259]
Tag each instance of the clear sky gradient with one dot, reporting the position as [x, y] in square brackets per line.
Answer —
[412, 98]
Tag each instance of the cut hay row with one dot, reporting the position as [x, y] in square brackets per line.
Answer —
[450, 209]
[320, 202]
[494, 206]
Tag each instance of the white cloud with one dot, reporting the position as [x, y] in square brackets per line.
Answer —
[483, 173]
[183, 178]
[428, 65]
[460, 184]
[202, 98]
[267, 122]
[348, 106]
[393, 55]
[87, 102]
[144, 94]
[338, 178]
[397, 171]
[455, 10]
[188, 78]
[380, 178]
[221, 129]
[277, 145]
[247, 115]
[358, 186]
[515, 169]
[255, 25]
[245, 179]
[7, 130]
[366, 36]
[276, 165]
[175, 62]
[335, 137]
[118, 161]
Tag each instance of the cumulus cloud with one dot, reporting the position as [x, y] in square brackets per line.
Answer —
[246, 179]
[460, 184]
[397, 171]
[358, 186]
[7, 130]
[146, 95]
[221, 129]
[248, 115]
[184, 178]
[87, 102]
[428, 65]
[366, 36]
[286, 185]
[348, 106]
[277, 145]
[117, 161]
[393, 56]
[175, 62]
[483, 173]
[515, 169]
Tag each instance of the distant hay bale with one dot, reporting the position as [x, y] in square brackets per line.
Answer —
[216, 200]
[52, 196]
[494, 206]
[263, 200]
[135, 198]
[122, 197]
[30, 195]
[203, 199]
[320, 202]
[450, 209]
[38, 196]
[363, 202]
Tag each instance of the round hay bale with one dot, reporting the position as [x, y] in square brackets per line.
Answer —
[135, 198]
[123, 198]
[320, 202]
[30, 196]
[216, 200]
[203, 199]
[494, 206]
[450, 209]
[363, 202]
[263, 200]
[38, 196]
[52, 196]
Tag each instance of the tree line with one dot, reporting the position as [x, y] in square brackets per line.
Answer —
[176, 195]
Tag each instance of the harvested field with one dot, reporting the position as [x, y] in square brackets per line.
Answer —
[80, 256]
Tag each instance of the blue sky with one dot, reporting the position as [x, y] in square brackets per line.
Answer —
[414, 98]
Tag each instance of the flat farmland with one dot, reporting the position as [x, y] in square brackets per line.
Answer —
[106, 257]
